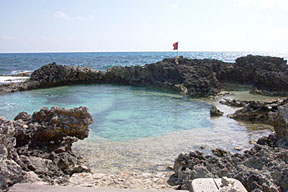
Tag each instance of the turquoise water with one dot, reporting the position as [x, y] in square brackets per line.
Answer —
[119, 112]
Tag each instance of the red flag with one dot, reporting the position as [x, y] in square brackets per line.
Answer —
[175, 46]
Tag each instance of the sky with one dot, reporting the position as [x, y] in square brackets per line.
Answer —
[143, 25]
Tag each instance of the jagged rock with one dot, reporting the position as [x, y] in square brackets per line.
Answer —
[257, 112]
[280, 121]
[23, 116]
[214, 112]
[234, 102]
[54, 75]
[39, 147]
[195, 77]
[189, 76]
[219, 152]
[264, 167]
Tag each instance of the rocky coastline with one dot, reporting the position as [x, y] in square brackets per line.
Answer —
[195, 77]
[262, 168]
[37, 148]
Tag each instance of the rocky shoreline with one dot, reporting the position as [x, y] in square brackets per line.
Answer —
[37, 148]
[262, 168]
[194, 77]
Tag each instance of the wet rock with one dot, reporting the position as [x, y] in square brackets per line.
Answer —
[38, 147]
[234, 102]
[258, 112]
[214, 112]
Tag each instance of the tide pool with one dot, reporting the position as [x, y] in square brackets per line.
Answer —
[119, 112]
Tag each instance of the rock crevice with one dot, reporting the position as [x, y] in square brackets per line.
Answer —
[38, 147]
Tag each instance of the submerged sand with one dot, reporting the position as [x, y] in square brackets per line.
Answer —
[155, 154]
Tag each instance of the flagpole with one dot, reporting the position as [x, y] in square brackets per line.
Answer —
[177, 48]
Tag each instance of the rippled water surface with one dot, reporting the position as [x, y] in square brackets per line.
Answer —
[16, 62]
[136, 128]
[119, 112]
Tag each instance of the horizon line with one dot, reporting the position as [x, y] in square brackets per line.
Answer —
[139, 51]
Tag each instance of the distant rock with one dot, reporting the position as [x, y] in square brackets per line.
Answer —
[214, 112]
[195, 77]
[38, 148]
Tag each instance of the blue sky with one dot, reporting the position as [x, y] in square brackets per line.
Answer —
[143, 25]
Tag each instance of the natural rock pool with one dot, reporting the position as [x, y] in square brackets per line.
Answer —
[136, 128]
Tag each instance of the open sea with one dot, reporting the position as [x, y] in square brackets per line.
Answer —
[135, 128]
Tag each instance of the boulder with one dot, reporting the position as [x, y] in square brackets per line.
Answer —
[234, 102]
[280, 121]
[257, 112]
[214, 112]
[263, 168]
[38, 147]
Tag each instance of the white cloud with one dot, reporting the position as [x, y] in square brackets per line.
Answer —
[265, 4]
[65, 16]
[6, 37]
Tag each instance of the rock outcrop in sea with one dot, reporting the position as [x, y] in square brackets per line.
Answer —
[37, 148]
[195, 77]
[262, 168]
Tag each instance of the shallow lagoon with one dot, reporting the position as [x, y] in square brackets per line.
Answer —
[137, 128]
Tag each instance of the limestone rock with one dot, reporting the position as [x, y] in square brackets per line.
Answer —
[280, 121]
[261, 168]
[258, 112]
[214, 112]
[195, 77]
[234, 102]
[39, 146]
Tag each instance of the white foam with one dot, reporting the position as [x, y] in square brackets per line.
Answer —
[9, 79]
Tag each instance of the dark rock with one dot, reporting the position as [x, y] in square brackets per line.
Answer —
[258, 112]
[280, 121]
[22, 74]
[234, 102]
[23, 116]
[195, 77]
[214, 112]
[262, 166]
[219, 152]
[39, 147]
[189, 76]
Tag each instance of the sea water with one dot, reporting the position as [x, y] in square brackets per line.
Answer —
[119, 112]
[11, 63]
[135, 128]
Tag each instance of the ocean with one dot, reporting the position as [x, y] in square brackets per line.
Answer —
[11, 63]
[150, 125]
